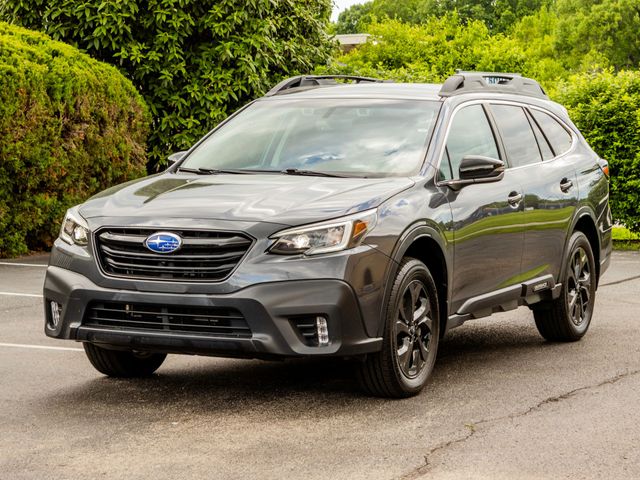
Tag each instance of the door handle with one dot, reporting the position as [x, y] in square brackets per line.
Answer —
[565, 185]
[515, 198]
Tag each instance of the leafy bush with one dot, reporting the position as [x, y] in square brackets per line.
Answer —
[432, 51]
[606, 108]
[69, 126]
[194, 61]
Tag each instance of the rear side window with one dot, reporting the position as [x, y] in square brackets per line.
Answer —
[557, 135]
[517, 135]
[470, 134]
[545, 149]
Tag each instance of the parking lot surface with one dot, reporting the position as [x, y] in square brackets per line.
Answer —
[503, 403]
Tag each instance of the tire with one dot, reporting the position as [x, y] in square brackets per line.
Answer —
[567, 318]
[410, 341]
[123, 364]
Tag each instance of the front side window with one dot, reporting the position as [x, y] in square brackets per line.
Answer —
[518, 138]
[353, 137]
[470, 134]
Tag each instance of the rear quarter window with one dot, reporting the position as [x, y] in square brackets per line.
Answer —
[557, 135]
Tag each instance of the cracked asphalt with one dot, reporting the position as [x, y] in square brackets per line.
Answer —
[502, 404]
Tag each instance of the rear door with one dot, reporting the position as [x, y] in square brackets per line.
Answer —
[549, 182]
[555, 193]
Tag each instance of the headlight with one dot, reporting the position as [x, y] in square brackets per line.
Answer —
[75, 230]
[347, 232]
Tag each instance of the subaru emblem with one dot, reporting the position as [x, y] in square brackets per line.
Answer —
[163, 242]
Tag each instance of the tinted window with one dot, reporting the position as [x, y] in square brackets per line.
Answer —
[349, 136]
[519, 141]
[545, 149]
[470, 134]
[557, 135]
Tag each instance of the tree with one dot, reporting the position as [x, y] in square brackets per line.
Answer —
[194, 61]
[498, 15]
[604, 32]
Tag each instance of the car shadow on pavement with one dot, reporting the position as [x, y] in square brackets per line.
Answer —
[302, 387]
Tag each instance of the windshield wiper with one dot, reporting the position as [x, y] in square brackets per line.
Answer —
[213, 171]
[310, 173]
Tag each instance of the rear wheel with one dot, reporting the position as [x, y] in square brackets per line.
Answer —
[412, 332]
[567, 318]
[119, 363]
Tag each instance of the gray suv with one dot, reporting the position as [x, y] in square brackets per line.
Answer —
[342, 216]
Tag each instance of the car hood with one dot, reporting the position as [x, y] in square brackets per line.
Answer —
[282, 199]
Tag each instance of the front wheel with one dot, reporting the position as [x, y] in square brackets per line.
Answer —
[567, 318]
[126, 364]
[412, 332]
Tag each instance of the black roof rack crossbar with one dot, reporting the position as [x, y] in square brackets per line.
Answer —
[316, 81]
[485, 82]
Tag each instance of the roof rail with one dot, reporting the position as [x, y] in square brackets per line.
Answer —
[485, 82]
[316, 81]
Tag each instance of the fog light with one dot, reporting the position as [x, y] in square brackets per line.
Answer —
[323, 331]
[56, 310]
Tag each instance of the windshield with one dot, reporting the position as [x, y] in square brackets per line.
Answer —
[353, 137]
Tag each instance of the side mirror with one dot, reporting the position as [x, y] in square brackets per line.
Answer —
[479, 168]
[176, 157]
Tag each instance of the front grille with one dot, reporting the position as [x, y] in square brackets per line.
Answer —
[211, 321]
[204, 255]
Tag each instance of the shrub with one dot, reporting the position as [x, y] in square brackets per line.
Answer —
[433, 50]
[194, 61]
[606, 108]
[69, 126]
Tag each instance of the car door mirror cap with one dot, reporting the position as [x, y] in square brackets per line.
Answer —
[478, 167]
[457, 184]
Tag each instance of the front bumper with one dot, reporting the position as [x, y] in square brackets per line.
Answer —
[269, 310]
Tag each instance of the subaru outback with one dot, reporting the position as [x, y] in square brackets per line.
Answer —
[342, 216]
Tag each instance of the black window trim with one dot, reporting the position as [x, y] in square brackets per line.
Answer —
[534, 126]
[496, 137]
[526, 115]
[562, 124]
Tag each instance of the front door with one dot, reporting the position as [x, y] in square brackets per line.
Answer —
[487, 229]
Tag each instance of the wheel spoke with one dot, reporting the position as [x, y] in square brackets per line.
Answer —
[583, 259]
[415, 358]
[402, 328]
[427, 322]
[414, 288]
[585, 293]
[580, 308]
[423, 348]
[404, 350]
[577, 267]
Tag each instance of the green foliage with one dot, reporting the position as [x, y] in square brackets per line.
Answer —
[433, 50]
[194, 61]
[497, 15]
[69, 126]
[606, 108]
[604, 32]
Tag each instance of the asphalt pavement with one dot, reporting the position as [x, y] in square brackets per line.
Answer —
[502, 404]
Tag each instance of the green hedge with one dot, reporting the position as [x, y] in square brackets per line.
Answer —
[194, 61]
[69, 126]
[606, 108]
